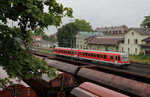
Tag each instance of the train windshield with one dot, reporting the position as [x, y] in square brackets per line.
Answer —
[125, 57]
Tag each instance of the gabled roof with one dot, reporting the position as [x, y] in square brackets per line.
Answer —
[105, 41]
[146, 39]
[142, 31]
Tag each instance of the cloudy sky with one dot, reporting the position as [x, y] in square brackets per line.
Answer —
[101, 13]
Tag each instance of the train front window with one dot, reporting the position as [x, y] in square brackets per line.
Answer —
[125, 57]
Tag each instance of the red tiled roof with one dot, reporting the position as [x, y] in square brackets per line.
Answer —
[105, 41]
[142, 31]
[146, 39]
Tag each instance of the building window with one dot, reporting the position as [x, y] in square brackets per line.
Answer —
[132, 33]
[135, 50]
[122, 49]
[81, 46]
[128, 41]
[135, 41]
[128, 50]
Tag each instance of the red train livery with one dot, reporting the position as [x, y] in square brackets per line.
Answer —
[115, 58]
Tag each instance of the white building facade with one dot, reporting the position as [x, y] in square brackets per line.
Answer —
[133, 40]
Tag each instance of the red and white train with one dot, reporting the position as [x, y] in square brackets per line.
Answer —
[115, 58]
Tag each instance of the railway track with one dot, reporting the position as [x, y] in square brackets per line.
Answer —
[135, 72]
[114, 78]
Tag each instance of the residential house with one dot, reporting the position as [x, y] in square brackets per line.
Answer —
[113, 29]
[105, 43]
[82, 36]
[137, 41]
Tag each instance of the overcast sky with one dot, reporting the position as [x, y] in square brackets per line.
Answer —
[101, 13]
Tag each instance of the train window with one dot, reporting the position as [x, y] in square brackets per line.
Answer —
[101, 56]
[75, 52]
[83, 54]
[105, 56]
[97, 55]
[80, 53]
[91, 55]
[111, 57]
[68, 52]
[118, 58]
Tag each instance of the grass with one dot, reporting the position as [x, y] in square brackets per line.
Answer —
[140, 58]
[46, 51]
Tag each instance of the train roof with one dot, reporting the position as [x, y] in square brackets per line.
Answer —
[95, 51]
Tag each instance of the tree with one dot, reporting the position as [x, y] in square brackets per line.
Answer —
[64, 33]
[29, 14]
[146, 22]
[82, 25]
[39, 31]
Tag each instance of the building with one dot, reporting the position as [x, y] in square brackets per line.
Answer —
[81, 38]
[105, 43]
[136, 41]
[113, 30]
[37, 38]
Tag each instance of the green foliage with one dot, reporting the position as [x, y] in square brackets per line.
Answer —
[4, 81]
[146, 22]
[82, 25]
[140, 58]
[40, 31]
[64, 33]
[15, 41]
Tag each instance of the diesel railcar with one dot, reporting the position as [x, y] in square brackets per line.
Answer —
[115, 58]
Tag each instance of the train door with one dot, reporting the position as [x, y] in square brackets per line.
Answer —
[75, 53]
[116, 59]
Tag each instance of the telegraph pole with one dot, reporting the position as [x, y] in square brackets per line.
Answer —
[71, 39]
